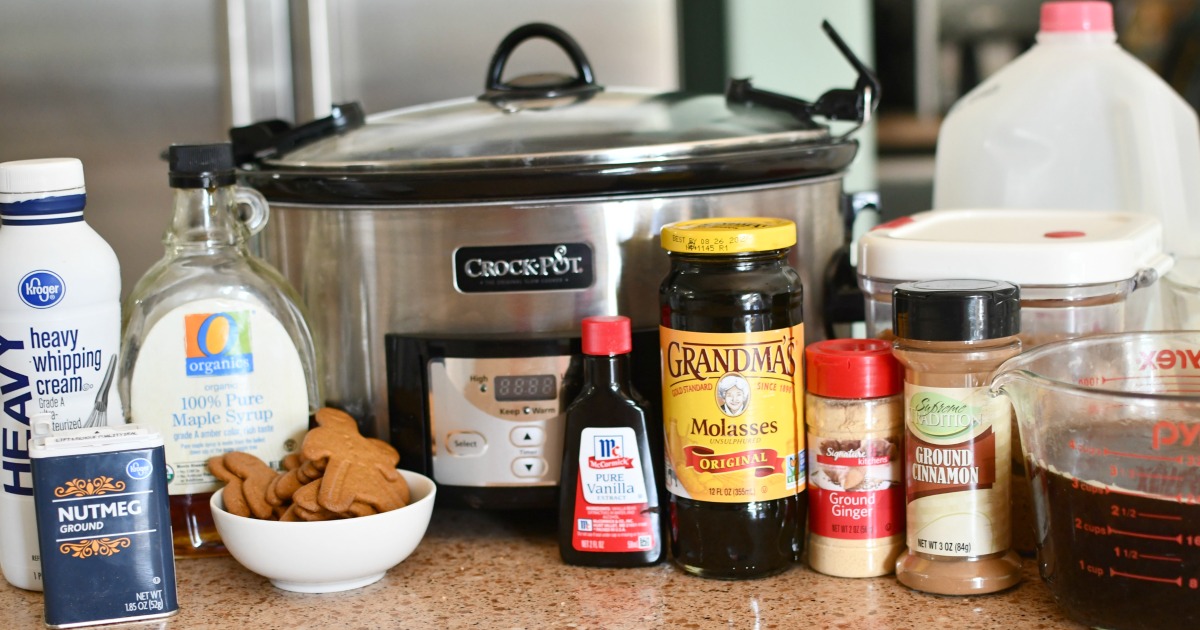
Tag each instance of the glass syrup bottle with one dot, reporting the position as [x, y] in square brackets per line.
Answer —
[216, 353]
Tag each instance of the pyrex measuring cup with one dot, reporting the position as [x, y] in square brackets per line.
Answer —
[1111, 430]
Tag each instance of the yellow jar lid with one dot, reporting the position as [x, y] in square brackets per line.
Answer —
[733, 235]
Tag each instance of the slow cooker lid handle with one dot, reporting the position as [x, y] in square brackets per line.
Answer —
[837, 104]
[276, 137]
[540, 86]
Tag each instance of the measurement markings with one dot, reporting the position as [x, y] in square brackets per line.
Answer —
[1148, 578]
[1137, 473]
[1164, 517]
[1178, 459]
[1160, 558]
[1178, 538]
[1148, 377]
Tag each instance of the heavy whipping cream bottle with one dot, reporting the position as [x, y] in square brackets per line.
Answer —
[60, 330]
[216, 353]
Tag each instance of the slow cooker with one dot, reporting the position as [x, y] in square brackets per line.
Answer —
[448, 252]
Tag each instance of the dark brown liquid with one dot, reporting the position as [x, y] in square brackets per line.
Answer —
[1117, 560]
[192, 526]
[747, 293]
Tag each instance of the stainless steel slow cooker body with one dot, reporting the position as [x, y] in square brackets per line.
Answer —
[365, 271]
[524, 210]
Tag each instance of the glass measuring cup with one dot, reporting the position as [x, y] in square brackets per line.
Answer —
[1110, 425]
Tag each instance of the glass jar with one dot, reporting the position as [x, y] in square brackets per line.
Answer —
[732, 334]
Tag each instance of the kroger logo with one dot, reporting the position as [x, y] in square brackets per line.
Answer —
[41, 289]
[139, 468]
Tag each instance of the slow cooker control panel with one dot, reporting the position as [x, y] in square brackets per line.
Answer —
[497, 421]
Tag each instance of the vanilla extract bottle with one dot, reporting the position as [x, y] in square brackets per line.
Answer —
[216, 354]
[609, 512]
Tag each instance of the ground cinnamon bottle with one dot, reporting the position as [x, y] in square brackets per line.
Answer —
[609, 513]
[732, 333]
[950, 336]
[854, 411]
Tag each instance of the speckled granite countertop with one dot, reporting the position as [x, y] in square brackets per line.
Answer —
[502, 570]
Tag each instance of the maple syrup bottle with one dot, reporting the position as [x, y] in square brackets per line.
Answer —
[608, 514]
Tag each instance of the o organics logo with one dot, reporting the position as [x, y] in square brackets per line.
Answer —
[218, 344]
[42, 289]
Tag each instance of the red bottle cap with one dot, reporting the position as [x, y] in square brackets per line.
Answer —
[853, 368]
[606, 335]
[1075, 17]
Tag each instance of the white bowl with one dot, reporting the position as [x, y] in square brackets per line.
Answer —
[328, 556]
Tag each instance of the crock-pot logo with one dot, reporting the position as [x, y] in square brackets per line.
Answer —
[41, 289]
[549, 267]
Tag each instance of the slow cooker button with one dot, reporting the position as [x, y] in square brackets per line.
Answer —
[527, 436]
[529, 467]
[466, 444]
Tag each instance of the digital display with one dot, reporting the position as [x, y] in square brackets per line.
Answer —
[531, 387]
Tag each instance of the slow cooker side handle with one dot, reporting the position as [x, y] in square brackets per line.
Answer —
[583, 84]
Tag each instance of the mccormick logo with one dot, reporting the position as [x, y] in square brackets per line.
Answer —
[608, 452]
[218, 344]
[41, 289]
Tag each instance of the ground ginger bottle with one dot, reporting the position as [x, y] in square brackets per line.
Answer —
[216, 354]
[732, 337]
[854, 412]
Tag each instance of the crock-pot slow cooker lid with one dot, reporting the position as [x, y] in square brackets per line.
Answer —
[563, 137]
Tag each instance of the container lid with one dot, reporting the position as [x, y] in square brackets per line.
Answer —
[723, 236]
[23, 180]
[46, 443]
[201, 165]
[549, 135]
[607, 335]
[1076, 17]
[956, 310]
[1027, 247]
[852, 368]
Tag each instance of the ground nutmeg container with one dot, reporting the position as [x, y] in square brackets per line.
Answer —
[731, 337]
[854, 411]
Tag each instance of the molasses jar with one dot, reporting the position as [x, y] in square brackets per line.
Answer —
[732, 338]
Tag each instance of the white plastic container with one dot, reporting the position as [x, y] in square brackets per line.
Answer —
[60, 331]
[1075, 122]
[1079, 272]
